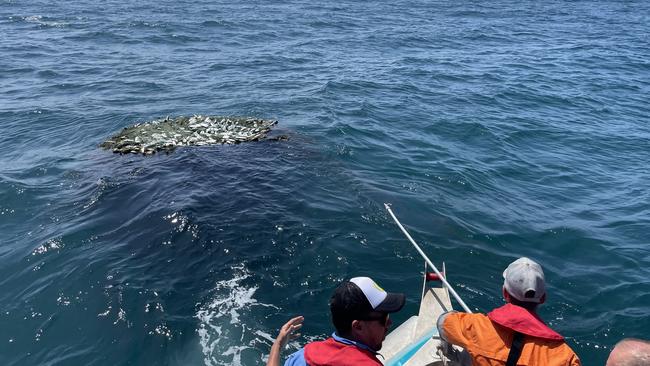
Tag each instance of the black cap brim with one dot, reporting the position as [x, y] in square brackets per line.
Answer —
[392, 303]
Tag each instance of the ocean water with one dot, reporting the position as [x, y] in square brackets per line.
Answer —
[496, 129]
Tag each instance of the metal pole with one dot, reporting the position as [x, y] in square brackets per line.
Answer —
[417, 247]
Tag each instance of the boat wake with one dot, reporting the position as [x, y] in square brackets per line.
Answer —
[224, 332]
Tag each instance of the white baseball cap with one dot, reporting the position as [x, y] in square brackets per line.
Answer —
[524, 280]
[380, 300]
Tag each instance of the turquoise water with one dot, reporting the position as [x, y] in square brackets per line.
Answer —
[495, 130]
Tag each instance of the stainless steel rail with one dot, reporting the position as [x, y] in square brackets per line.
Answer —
[417, 247]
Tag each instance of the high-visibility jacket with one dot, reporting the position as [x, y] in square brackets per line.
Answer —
[488, 338]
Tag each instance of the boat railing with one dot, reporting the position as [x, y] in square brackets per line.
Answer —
[428, 261]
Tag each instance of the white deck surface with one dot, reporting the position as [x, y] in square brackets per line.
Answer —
[418, 329]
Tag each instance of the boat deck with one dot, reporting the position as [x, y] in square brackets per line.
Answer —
[416, 341]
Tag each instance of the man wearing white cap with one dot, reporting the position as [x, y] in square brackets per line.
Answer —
[360, 313]
[512, 334]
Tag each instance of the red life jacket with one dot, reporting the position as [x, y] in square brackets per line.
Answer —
[332, 353]
[523, 321]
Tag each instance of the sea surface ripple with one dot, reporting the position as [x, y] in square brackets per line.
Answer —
[496, 129]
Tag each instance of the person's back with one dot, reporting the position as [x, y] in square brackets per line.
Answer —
[334, 351]
[489, 343]
[512, 334]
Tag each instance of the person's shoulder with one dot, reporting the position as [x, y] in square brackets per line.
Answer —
[296, 359]
[570, 354]
[565, 355]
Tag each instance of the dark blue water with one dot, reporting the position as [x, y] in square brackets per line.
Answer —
[496, 129]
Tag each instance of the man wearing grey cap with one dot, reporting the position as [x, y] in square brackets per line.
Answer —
[512, 334]
[360, 313]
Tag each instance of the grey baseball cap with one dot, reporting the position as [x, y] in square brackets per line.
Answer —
[524, 280]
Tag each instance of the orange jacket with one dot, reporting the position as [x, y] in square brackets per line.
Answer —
[488, 342]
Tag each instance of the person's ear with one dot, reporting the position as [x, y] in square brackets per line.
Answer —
[506, 295]
[541, 301]
[357, 325]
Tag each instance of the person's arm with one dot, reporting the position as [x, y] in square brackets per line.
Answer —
[440, 325]
[287, 333]
[451, 328]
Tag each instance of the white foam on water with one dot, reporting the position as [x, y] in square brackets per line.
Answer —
[38, 19]
[224, 330]
[50, 245]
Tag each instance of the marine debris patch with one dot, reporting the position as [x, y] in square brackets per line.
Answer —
[169, 133]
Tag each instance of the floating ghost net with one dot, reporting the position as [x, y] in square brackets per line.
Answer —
[169, 133]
